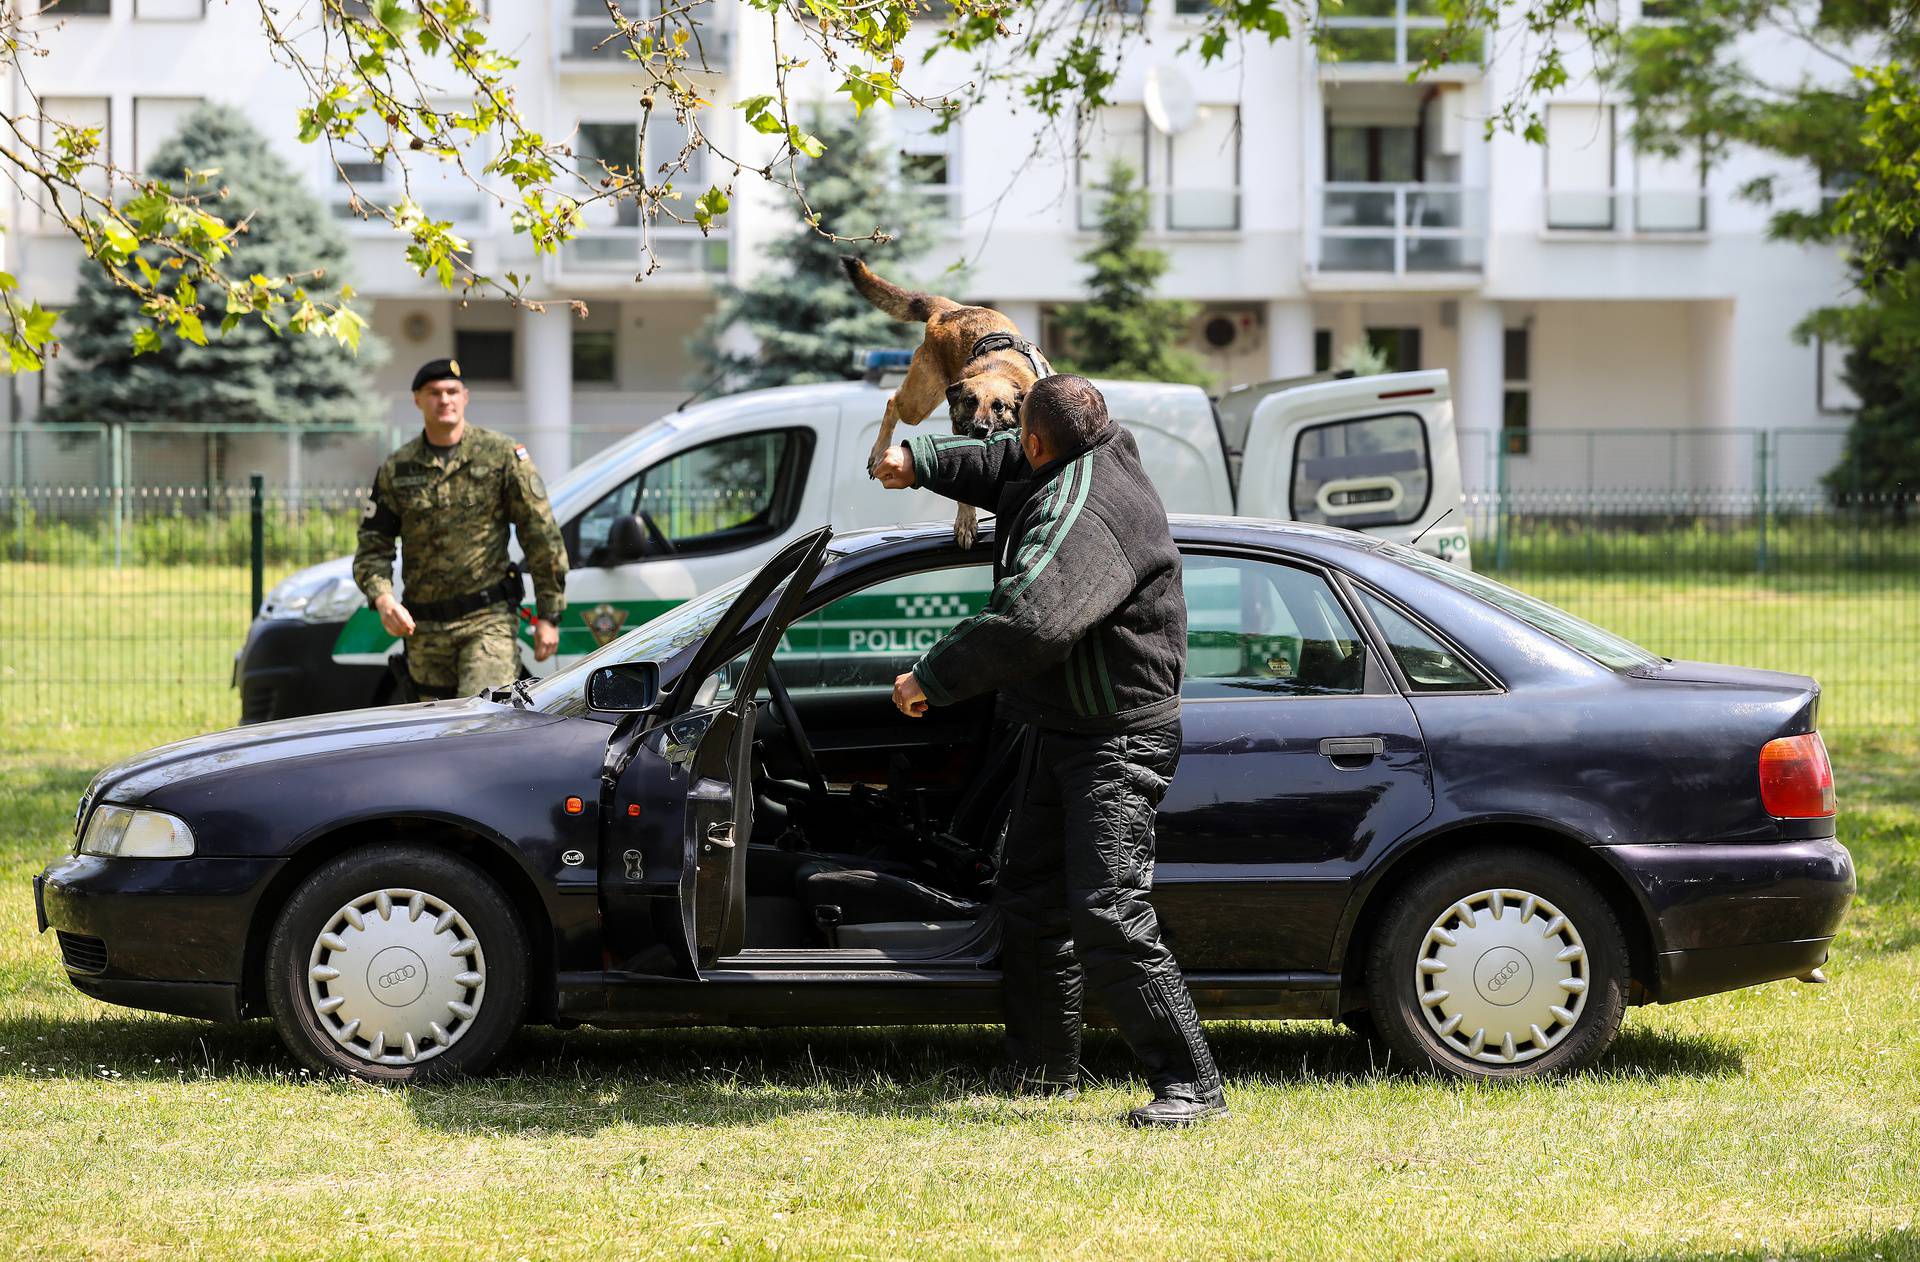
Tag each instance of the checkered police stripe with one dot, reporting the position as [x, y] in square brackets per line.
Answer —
[931, 606]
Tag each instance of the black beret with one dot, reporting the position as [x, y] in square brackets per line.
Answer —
[436, 370]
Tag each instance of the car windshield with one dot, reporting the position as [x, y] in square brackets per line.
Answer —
[654, 641]
[1605, 647]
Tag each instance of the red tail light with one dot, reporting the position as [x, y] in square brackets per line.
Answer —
[1796, 780]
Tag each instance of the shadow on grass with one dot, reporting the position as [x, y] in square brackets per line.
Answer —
[578, 1081]
[1899, 1244]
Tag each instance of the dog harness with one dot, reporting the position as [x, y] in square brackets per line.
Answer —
[1008, 342]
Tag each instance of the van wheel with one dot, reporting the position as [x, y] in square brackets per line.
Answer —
[396, 965]
[1502, 963]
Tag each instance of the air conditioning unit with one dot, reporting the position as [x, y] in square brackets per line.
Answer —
[1224, 330]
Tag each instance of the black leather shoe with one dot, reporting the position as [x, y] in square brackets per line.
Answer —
[1033, 1082]
[1179, 1106]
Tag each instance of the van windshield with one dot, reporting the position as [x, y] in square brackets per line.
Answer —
[1610, 650]
[571, 490]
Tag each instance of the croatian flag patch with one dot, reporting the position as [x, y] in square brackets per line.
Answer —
[520, 451]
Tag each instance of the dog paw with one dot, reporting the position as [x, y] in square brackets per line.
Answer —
[963, 533]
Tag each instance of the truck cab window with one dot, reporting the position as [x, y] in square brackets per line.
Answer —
[722, 495]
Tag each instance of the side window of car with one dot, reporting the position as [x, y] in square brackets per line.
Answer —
[866, 639]
[596, 524]
[1368, 472]
[726, 493]
[1429, 665]
[721, 495]
[1254, 627]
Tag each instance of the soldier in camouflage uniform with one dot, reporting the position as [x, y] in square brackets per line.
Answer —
[450, 495]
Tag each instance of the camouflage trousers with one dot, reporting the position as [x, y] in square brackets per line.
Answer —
[465, 656]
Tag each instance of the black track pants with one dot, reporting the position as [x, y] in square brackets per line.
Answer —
[1072, 901]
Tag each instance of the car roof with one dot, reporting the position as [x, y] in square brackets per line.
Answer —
[1320, 542]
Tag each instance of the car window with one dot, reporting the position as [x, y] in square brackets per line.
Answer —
[1429, 665]
[868, 638]
[564, 692]
[1610, 650]
[1368, 472]
[721, 495]
[1257, 627]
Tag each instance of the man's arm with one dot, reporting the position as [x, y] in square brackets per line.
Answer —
[971, 470]
[1068, 575]
[543, 551]
[373, 558]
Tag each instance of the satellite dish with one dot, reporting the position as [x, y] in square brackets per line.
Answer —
[1169, 98]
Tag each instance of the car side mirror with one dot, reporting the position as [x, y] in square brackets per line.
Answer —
[625, 688]
[627, 541]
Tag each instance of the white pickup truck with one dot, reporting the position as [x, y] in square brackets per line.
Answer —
[690, 501]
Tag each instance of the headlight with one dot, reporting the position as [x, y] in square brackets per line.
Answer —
[121, 832]
[331, 600]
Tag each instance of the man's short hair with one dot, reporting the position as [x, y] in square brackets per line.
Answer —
[1067, 412]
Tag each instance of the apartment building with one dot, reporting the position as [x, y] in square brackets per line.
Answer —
[1611, 319]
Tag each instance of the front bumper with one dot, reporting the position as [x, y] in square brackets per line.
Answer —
[286, 669]
[1728, 916]
[169, 935]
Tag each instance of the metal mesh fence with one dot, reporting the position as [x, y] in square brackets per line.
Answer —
[124, 597]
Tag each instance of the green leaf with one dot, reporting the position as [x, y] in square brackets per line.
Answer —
[710, 203]
[146, 340]
[804, 142]
[191, 329]
[7, 283]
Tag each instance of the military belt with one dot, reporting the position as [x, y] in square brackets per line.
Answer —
[505, 592]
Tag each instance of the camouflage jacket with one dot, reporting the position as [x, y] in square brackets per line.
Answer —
[451, 509]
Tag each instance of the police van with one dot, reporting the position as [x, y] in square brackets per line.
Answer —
[713, 490]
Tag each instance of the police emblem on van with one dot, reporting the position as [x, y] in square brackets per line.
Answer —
[604, 621]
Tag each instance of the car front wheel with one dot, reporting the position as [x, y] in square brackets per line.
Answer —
[1501, 963]
[395, 965]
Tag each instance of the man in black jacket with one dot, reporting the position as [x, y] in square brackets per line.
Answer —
[1085, 638]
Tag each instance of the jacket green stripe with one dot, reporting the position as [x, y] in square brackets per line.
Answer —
[1106, 680]
[1002, 596]
[1085, 672]
[1073, 689]
[1080, 472]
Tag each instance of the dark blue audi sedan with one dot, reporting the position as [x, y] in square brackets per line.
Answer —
[1410, 799]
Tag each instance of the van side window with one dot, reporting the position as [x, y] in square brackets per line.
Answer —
[1254, 627]
[1373, 471]
[721, 495]
[1429, 665]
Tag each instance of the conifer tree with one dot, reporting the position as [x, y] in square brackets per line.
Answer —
[1122, 330]
[248, 373]
[806, 318]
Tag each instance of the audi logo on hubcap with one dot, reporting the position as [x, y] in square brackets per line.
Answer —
[1504, 976]
[396, 976]
[388, 981]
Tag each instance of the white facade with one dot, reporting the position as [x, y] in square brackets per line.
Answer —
[1306, 205]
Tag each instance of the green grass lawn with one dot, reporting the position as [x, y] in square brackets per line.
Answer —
[1777, 1122]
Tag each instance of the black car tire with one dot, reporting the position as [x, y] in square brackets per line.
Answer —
[437, 875]
[1434, 894]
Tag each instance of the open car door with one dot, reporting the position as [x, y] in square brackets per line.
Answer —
[679, 901]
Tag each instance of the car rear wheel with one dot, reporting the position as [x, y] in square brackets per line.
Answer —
[396, 965]
[1502, 963]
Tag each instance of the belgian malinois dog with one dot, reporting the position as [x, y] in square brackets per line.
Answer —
[973, 357]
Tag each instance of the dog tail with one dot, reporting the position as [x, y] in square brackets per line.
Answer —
[901, 304]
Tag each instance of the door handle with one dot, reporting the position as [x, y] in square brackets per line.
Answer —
[720, 836]
[1337, 747]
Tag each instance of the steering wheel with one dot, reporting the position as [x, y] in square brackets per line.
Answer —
[790, 719]
[659, 536]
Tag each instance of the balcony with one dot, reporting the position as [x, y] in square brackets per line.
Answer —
[1390, 33]
[1433, 230]
[1172, 209]
[615, 250]
[1625, 212]
[587, 41]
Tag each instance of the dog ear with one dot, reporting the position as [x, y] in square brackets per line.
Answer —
[957, 394]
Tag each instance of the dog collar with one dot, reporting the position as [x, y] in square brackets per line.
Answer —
[1008, 342]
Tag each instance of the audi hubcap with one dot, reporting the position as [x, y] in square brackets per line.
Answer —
[396, 976]
[1502, 976]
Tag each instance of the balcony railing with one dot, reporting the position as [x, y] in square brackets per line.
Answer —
[1173, 209]
[1625, 211]
[679, 250]
[1392, 32]
[589, 40]
[1399, 228]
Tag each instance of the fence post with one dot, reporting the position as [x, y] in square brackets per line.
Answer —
[1766, 505]
[117, 488]
[256, 486]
